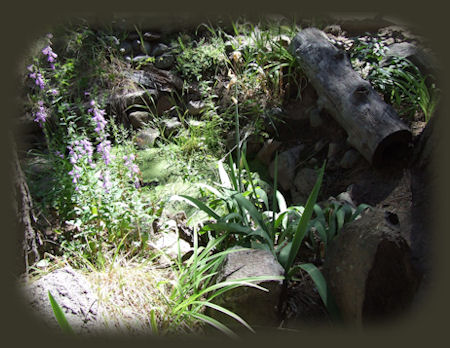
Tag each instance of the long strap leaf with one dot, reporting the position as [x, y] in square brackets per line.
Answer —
[323, 290]
[304, 220]
[59, 315]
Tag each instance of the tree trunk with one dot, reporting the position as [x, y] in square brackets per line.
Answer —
[373, 127]
[23, 205]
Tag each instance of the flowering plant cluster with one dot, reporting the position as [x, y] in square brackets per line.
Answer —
[133, 169]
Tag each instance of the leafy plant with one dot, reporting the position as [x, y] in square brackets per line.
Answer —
[328, 221]
[194, 288]
[400, 81]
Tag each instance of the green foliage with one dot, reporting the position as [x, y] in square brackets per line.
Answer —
[198, 60]
[195, 287]
[398, 79]
[328, 221]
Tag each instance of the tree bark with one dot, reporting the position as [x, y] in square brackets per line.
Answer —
[373, 127]
[23, 205]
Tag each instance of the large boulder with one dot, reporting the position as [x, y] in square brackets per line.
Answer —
[74, 295]
[257, 307]
[369, 271]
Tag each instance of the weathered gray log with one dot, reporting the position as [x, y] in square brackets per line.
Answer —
[373, 127]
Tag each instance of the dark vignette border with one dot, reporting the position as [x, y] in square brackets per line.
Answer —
[26, 21]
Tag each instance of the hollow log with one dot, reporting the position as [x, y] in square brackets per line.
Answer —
[373, 127]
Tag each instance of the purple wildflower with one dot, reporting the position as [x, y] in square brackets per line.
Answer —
[38, 78]
[104, 147]
[98, 117]
[41, 114]
[105, 178]
[133, 169]
[51, 55]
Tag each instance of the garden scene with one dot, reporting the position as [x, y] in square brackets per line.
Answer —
[228, 177]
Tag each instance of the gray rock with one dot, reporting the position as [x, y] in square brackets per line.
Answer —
[333, 150]
[304, 182]
[195, 107]
[146, 138]
[255, 306]
[159, 49]
[148, 36]
[266, 153]
[315, 120]
[74, 295]
[165, 103]
[165, 61]
[171, 126]
[168, 242]
[287, 162]
[369, 269]
[139, 97]
[138, 119]
[350, 158]
[345, 197]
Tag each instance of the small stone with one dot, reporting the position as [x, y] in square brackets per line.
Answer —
[333, 150]
[159, 49]
[171, 126]
[349, 159]
[168, 241]
[140, 97]
[146, 138]
[265, 154]
[165, 61]
[305, 180]
[138, 119]
[287, 162]
[165, 103]
[151, 36]
[195, 107]
[345, 197]
[125, 47]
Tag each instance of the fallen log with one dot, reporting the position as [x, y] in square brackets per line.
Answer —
[373, 127]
